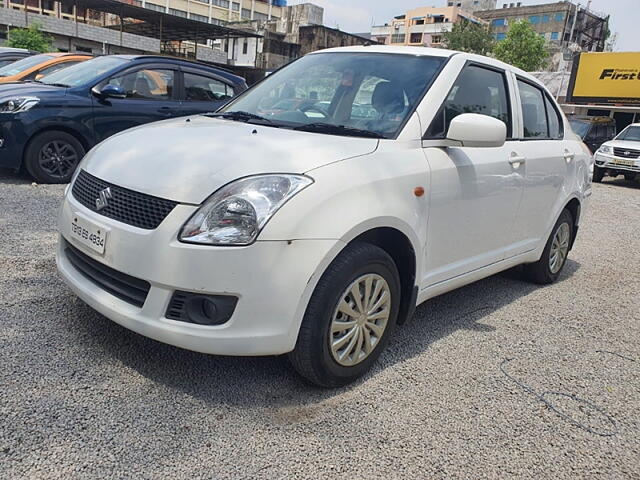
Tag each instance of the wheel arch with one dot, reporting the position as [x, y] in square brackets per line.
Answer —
[84, 141]
[575, 208]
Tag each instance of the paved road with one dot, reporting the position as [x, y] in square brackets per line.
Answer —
[81, 397]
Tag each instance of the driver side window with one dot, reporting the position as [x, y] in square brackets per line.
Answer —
[148, 84]
[477, 90]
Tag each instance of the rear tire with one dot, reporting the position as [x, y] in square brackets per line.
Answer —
[598, 174]
[341, 336]
[629, 177]
[53, 156]
[555, 253]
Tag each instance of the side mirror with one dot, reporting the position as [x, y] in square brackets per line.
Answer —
[109, 91]
[475, 130]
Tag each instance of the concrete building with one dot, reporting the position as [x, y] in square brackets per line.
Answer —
[423, 26]
[562, 24]
[473, 5]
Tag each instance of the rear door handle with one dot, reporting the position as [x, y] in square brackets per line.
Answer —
[568, 156]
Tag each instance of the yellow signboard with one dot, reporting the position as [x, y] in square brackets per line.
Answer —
[606, 78]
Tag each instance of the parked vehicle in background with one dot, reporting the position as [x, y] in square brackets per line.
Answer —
[593, 131]
[37, 66]
[236, 234]
[620, 156]
[9, 55]
[48, 125]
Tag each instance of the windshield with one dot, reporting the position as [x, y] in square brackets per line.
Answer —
[630, 133]
[22, 65]
[341, 93]
[580, 128]
[84, 72]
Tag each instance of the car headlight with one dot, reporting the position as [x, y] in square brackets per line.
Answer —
[19, 104]
[236, 213]
[605, 149]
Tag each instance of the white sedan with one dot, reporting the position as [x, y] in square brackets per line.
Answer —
[315, 231]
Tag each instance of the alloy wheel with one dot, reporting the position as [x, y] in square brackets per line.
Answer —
[360, 319]
[559, 248]
[58, 158]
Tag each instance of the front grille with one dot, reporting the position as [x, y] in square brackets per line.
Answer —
[125, 287]
[626, 153]
[124, 205]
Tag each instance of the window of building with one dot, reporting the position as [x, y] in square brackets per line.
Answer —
[221, 3]
[436, 39]
[157, 8]
[149, 84]
[83, 49]
[559, 17]
[203, 1]
[235, 7]
[545, 19]
[198, 88]
[200, 18]
[419, 21]
[178, 13]
[555, 35]
[245, 46]
[398, 38]
[534, 19]
[534, 114]
[477, 90]
[498, 22]
[246, 13]
[416, 38]
[260, 16]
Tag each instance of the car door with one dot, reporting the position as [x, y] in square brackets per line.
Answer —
[474, 192]
[547, 163]
[150, 96]
[203, 92]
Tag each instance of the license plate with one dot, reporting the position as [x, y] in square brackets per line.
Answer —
[626, 163]
[88, 233]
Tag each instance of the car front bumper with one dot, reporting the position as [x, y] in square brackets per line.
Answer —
[612, 162]
[272, 280]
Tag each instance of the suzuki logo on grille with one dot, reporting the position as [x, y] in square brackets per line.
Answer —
[627, 153]
[103, 198]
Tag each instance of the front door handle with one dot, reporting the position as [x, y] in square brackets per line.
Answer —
[516, 160]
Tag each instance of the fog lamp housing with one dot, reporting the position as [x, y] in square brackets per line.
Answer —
[201, 309]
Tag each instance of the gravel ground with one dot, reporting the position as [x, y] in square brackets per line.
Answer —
[81, 397]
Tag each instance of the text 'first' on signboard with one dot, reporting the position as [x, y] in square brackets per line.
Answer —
[606, 78]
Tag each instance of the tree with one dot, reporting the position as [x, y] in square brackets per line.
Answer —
[523, 47]
[31, 38]
[469, 37]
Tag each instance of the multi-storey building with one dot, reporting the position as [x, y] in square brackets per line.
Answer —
[563, 24]
[473, 5]
[423, 26]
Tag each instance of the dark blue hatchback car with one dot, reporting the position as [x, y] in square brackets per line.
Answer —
[47, 126]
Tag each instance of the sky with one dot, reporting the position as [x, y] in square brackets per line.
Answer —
[358, 15]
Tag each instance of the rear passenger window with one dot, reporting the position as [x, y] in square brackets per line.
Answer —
[477, 90]
[534, 114]
[555, 120]
[198, 88]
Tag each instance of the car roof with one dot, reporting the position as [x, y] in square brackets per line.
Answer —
[67, 54]
[168, 58]
[12, 49]
[431, 52]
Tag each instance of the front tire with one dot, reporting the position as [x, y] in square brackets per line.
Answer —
[350, 317]
[53, 156]
[598, 174]
[554, 256]
[630, 177]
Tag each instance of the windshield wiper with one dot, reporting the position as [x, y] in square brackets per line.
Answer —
[330, 129]
[241, 116]
[63, 85]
